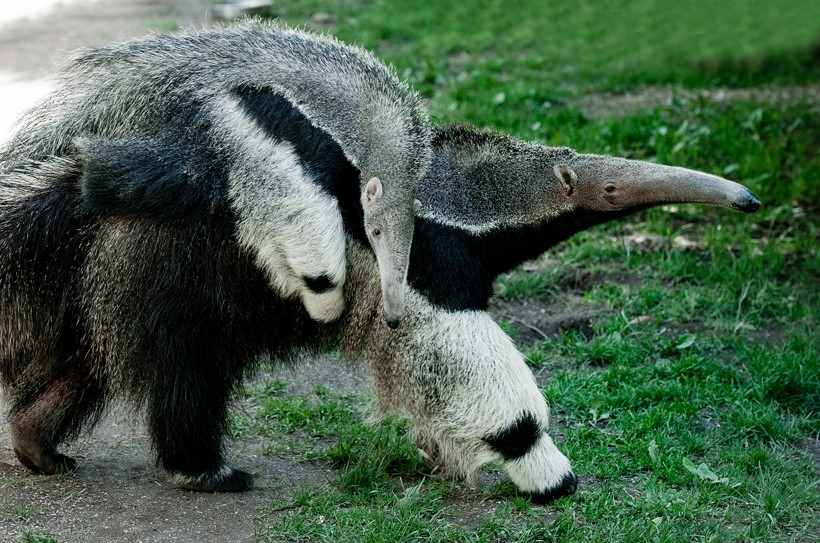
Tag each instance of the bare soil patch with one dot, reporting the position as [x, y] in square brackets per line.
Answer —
[534, 320]
[118, 494]
[596, 106]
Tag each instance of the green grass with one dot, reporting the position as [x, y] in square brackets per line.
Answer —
[507, 43]
[23, 514]
[691, 410]
[670, 401]
[33, 537]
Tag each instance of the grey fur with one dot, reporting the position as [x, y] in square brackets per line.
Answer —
[453, 373]
[496, 182]
[123, 92]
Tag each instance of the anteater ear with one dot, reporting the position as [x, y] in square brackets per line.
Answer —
[372, 192]
[566, 176]
[416, 206]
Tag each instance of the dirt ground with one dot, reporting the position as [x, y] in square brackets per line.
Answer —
[118, 495]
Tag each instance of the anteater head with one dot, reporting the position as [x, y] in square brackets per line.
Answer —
[388, 221]
[602, 184]
[493, 187]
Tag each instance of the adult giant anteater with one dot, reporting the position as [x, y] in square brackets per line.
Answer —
[108, 293]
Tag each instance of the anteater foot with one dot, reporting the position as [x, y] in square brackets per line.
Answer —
[37, 454]
[47, 463]
[224, 480]
[567, 486]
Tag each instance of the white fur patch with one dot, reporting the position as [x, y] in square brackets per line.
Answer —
[478, 386]
[477, 224]
[294, 227]
[543, 468]
[426, 212]
[187, 481]
[325, 306]
[498, 386]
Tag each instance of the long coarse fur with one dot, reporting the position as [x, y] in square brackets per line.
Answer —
[247, 147]
[450, 369]
[191, 101]
[173, 312]
[144, 289]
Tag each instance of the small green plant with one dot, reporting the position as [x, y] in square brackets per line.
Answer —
[29, 536]
[25, 514]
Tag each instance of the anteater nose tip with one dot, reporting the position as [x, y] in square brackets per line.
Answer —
[753, 205]
[749, 204]
[393, 322]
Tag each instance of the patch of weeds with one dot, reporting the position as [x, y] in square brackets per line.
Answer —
[13, 482]
[663, 439]
[763, 422]
[240, 425]
[519, 285]
[414, 513]
[374, 456]
[297, 424]
[788, 376]
[24, 514]
[326, 426]
[30, 536]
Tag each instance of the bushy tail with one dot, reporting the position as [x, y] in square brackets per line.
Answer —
[42, 235]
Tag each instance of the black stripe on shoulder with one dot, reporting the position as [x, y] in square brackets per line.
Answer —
[281, 121]
[517, 439]
[318, 152]
[446, 269]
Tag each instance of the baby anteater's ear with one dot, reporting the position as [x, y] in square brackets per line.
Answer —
[566, 176]
[372, 192]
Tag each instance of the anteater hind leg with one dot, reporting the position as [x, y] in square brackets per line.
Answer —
[187, 421]
[41, 420]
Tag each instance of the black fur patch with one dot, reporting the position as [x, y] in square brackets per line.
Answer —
[167, 169]
[446, 270]
[153, 178]
[516, 440]
[234, 481]
[318, 152]
[455, 269]
[320, 284]
[567, 486]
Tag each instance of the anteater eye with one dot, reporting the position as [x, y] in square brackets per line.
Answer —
[376, 232]
[609, 189]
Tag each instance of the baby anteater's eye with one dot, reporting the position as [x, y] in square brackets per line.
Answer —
[376, 232]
